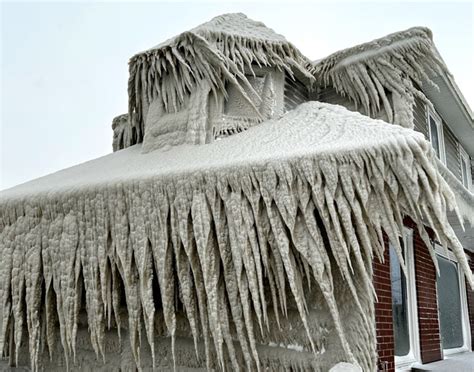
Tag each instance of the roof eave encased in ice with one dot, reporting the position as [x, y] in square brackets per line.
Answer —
[384, 73]
[359, 175]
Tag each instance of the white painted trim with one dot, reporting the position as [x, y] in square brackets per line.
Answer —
[466, 328]
[439, 125]
[465, 157]
[405, 362]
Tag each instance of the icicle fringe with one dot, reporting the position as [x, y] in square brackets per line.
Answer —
[384, 73]
[216, 239]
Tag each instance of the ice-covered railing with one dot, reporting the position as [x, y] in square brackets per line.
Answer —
[235, 230]
[219, 51]
[383, 73]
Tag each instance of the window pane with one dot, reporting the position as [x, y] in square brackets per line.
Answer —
[434, 136]
[449, 303]
[399, 306]
[237, 105]
[464, 172]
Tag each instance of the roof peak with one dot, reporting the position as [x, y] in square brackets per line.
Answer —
[377, 45]
[237, 25]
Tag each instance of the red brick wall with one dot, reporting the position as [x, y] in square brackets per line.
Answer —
[470, 299]
[383, 312]
[425, 276]
[428, 322]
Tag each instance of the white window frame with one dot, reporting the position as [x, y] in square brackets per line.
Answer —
[439, 125]
[406, 361]
[466, 329]
[463, 155]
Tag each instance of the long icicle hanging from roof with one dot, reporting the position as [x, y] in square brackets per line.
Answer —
[215, 240]
[394, 64]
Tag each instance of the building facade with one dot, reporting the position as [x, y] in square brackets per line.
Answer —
[422, 317]
[259, 211]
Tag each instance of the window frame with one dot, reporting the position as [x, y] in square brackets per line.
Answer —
[466, 328]
[413, 356]
[464, 156]
[430, 112]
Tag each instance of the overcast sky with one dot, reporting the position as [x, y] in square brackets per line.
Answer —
[64, 65]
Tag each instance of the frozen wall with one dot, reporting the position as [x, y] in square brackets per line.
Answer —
[283, 344]
[204, 116]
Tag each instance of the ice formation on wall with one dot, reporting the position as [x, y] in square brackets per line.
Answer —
[124, 132]
[383, 73]
[288, 203]
[464, 198]
[219, 51]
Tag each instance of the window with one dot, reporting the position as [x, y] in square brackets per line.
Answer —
[452, 304]
[404, 308]
[435, 130]
[465, 168]
[259, 97]
[236, 104]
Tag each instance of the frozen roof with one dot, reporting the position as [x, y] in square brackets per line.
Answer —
[313, 129]
[384, 73]
[222, 50]
[398, 63]
[321, 170]
[400, 40]
[233, 25]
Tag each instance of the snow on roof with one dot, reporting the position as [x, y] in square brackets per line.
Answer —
[313, 129]
[319, 171]
[223, 49]
[395, 63]
[233, 25]
[399, 40]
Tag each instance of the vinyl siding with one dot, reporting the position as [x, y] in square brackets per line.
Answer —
[329, 95]
[296, 93]
[453, 159]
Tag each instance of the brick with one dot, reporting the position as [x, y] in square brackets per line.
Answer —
[383, 311]
[427, 301]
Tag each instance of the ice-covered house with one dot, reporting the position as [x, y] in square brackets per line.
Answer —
[247, 220]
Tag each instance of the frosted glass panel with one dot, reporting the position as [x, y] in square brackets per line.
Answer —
[399, 306]
[464, 172]
[434, 136]
[449, 303]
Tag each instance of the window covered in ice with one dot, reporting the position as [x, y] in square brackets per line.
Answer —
[465, 168]
[449, 303]
[404, 307]
[249, 103]
[237, 105]
[399, 306]
[435, 126]
[434, 135]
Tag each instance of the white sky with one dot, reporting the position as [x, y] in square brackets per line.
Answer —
[64, 65]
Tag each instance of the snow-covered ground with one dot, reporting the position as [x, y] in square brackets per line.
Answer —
[459, 363]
